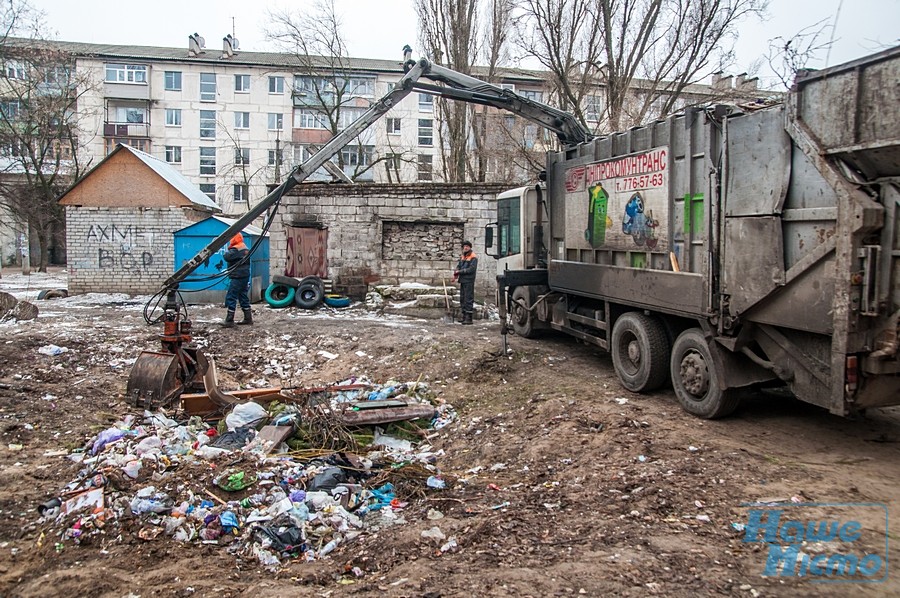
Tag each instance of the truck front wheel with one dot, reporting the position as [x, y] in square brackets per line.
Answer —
[695, 378]
[520, 311]
[640, 352]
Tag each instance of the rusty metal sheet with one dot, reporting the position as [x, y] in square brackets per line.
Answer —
[753, 260]
[759, 164]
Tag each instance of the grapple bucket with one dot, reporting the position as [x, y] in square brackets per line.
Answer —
[154, 380]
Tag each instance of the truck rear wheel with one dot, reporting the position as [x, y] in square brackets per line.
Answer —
[520, 310]
[640, 352]
[695, 378]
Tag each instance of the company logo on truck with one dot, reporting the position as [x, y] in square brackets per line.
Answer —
[631, 188]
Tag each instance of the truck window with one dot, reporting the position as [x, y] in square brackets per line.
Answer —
[508, 226]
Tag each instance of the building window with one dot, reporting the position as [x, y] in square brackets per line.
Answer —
[276, 121]
[508, 86]
[310, 119]
[276, 84]
[510, 122]
[10, 109]
[126, 73]
[242, 193]
[207, 124]
[131, 114]
[173, 80]
[392, 161]
[593, 108]
[272, 156]
[241, 120]
[242, 83]
[207, 87]
[393, 126]
[533, 95]
[356, 155]
[173, 154]
[425, 167]
[426, 132]
[209, 189]
[16, 70]
[426, 102]
[110, 143]
[173, 117]
[208, 161]
[359, 87]
[241, 156]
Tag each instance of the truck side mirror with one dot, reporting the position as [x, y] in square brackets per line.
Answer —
[489, 240]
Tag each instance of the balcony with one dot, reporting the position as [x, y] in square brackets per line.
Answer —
[115, 129]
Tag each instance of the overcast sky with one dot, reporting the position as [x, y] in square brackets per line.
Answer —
[380, 28]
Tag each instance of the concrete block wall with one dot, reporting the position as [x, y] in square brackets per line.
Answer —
[364, 246]
[122, 250]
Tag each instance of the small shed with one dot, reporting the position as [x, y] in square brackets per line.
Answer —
[119, 222]
[199, 288]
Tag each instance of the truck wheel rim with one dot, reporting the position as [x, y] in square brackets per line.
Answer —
[634, 352]
[694, 374]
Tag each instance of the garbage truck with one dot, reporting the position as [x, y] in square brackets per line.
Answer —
[725, 248]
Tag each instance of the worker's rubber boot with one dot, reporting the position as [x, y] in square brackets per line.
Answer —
[467, 318]
[229, 319]
[248, 318]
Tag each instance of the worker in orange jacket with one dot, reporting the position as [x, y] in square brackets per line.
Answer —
[465, 271]
[238, 259]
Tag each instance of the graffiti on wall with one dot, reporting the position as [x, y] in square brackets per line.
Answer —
[127, 248]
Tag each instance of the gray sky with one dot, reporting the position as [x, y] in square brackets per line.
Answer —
[380, 28]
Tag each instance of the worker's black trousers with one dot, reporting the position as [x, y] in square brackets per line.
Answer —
[467, 297]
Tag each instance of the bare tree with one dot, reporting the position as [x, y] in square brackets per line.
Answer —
[448, 30]
[328, 93]
[616, 63]
[788, 56]
[41, 141]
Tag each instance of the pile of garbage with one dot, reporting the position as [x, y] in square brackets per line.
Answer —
[254, 483]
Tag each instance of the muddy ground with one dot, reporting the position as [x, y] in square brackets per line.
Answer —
[563, 483]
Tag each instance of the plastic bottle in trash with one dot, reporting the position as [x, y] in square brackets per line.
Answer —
[330, 546]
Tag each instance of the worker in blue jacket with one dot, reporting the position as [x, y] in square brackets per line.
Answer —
[239, 272]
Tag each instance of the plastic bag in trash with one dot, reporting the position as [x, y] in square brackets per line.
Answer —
[105, 437]
[282, 539]
[245, 414]
[327, 479]
[235, 439]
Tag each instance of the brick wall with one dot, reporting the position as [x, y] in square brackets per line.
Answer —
[122, 250]
[391, 234]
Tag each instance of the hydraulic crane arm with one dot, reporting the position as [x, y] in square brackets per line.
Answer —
[458, 86]
[303, 172]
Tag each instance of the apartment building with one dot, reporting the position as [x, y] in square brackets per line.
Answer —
[234, 122]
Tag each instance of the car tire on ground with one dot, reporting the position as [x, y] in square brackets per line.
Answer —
[279, 295]
[288, 281]
[309, 295]
[337, 301]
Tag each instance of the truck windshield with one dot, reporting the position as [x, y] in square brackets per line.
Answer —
[508, 226]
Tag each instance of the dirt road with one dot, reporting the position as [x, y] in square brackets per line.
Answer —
[561, 482]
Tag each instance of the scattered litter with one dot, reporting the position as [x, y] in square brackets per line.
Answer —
[693, 449]
[327, 354]
[621, 400]
[52, 350]
[185, 481]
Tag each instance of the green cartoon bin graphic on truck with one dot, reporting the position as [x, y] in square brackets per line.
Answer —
[595, 234]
